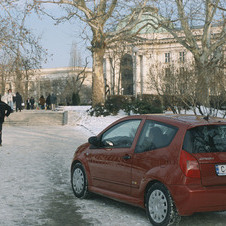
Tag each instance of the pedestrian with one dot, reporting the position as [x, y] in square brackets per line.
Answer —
[53, 100]
[28, 103]
[32, 101]
[5, 110]
[48, 102]
[42, 102]
[18, 100]
[10, 98]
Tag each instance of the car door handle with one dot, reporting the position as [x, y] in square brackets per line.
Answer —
[126, 157]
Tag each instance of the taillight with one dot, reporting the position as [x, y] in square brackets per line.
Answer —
[189, 165]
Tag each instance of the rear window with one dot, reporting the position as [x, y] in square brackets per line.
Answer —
[205, 139]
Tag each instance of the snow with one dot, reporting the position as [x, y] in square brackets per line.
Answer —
[91, 126]
[35, 179]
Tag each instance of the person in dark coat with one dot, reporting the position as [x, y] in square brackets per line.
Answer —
[5, 110]
[32, 101]
[53, 100]
[42, 102]
[48, 102]
[18, 100]
[28, 103]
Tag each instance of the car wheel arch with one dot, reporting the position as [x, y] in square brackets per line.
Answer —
[74, 163]
[86, 168]
[149, 184]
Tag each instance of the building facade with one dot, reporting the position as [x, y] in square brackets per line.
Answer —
[144, 66]
[63, 82]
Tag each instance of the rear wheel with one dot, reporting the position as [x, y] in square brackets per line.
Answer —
[79, 181]
[160, 207]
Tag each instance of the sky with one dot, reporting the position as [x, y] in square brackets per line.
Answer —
[58, 39]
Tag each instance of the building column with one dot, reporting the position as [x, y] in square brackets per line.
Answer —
[141, 72]
[108, 73]
[135, 77]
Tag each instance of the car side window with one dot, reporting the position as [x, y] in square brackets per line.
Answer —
[155, 135]
[121, 135]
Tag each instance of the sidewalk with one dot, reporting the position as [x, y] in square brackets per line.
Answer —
[37, 118]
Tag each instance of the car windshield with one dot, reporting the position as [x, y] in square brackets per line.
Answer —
[205, 139]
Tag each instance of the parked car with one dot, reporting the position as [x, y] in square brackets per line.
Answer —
[171, 165]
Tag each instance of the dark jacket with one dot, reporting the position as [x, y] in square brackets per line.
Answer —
[53, 99]
[5, 110]
[18, 100]
[48, 101]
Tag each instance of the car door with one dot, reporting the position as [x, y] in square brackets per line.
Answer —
[152, 153]
[110, 164]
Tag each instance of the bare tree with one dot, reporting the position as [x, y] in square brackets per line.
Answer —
[177, 89]
[199, 26]
[75, 56]
[18, 44]
[102, 18]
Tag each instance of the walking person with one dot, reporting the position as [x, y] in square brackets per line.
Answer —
[28, 103]
[42, 102]
[53, 100]
[32, 101]
[10, 98]
[5, 110]
[18, 100]
[48, 102]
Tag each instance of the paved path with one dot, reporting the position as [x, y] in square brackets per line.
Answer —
[35, 176]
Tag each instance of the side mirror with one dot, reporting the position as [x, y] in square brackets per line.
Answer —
[94, 141]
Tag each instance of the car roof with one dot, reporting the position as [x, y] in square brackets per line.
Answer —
[189, 120]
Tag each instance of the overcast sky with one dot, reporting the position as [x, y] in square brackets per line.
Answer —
[58, 40]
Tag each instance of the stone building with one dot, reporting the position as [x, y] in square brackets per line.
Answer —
[140, 67]
[63, 82]
[60, 81]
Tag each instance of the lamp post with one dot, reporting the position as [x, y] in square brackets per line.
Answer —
[135, 50]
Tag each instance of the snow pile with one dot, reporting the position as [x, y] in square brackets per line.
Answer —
[91, 126]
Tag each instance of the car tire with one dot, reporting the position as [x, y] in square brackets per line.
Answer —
[79, 181]
[160, 206]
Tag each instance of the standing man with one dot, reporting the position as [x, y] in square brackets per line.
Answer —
[53, 100]
[5, 110]
[19, 100]
[10, 98]
[48, 102]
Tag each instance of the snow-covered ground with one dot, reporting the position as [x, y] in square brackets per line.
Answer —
[35, 179]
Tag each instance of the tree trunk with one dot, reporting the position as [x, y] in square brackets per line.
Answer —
[26, 85]
[203, 85]
[98, 89]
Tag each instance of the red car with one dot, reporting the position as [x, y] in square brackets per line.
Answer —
[172, 165]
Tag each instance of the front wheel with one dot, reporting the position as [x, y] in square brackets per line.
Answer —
[161, 210]
[79, 181]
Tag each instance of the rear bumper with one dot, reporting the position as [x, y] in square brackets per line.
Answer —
[195, 198]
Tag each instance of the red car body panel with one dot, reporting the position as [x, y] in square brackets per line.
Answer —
[123, 174]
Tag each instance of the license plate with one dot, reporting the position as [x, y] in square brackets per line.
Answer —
[221, 170]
